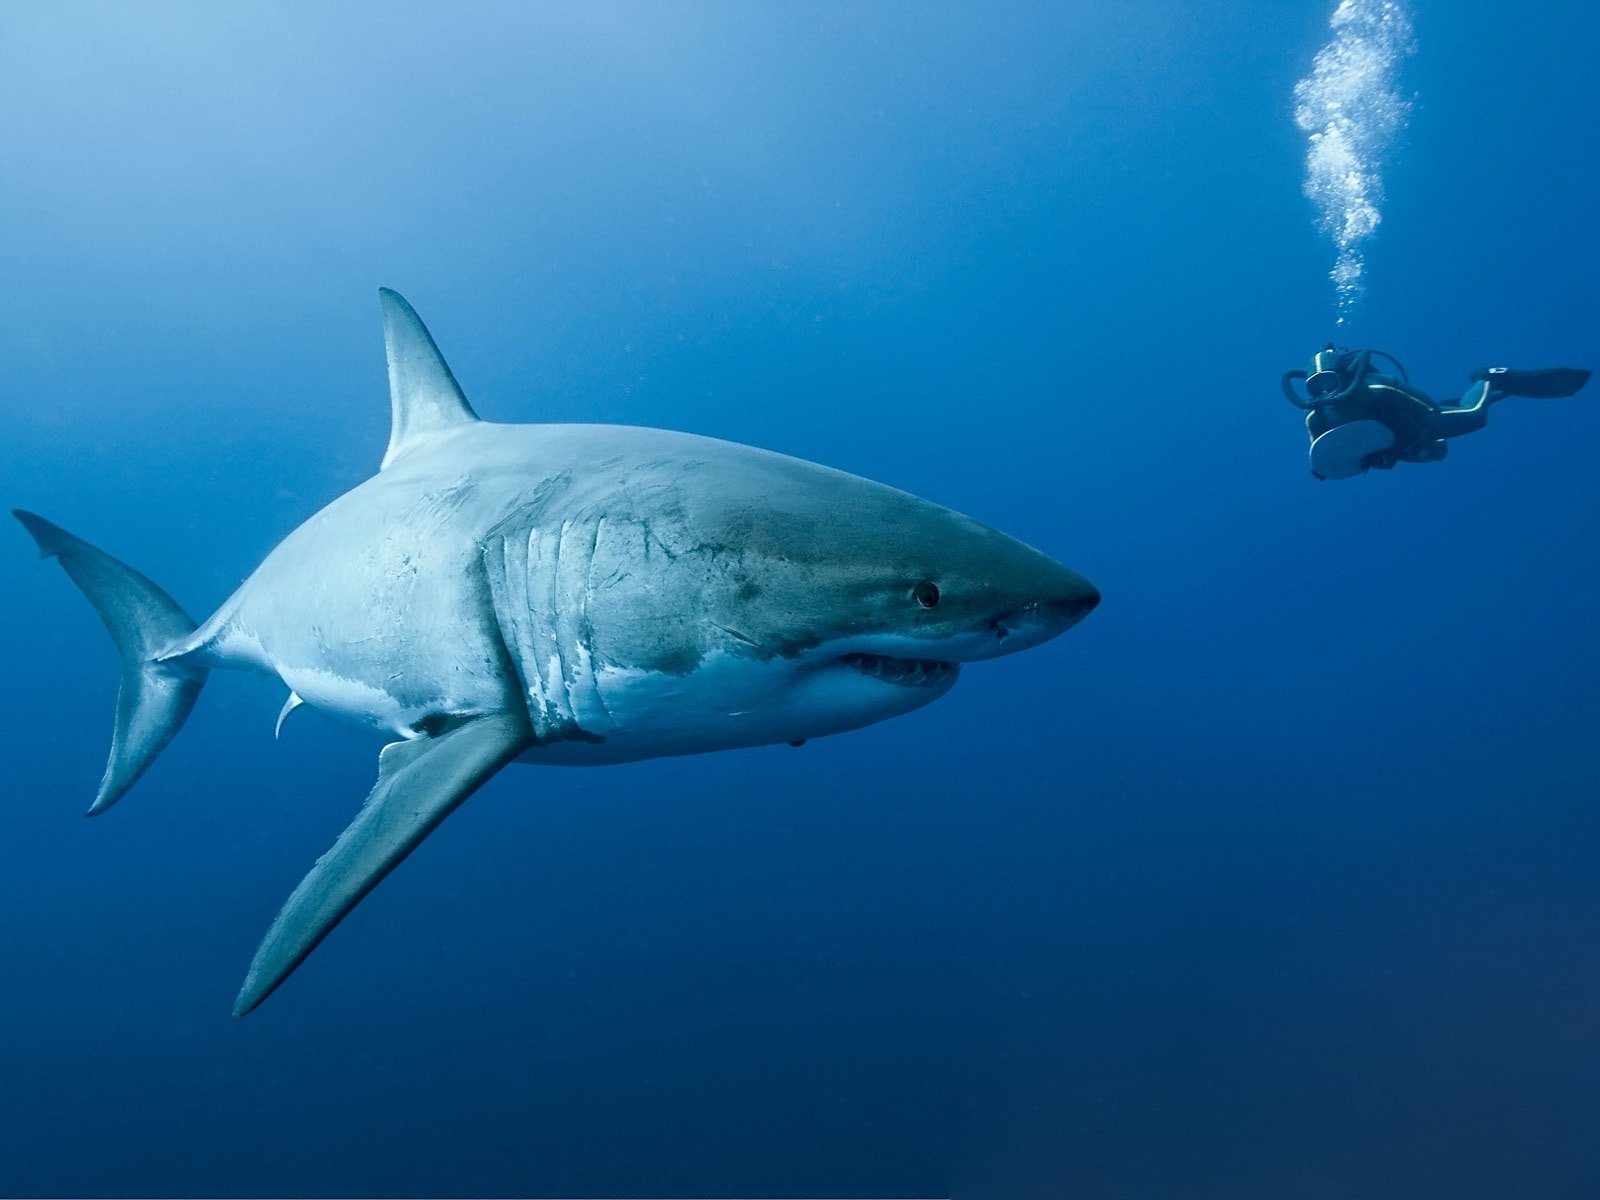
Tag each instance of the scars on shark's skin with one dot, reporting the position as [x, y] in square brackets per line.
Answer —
[566, 594]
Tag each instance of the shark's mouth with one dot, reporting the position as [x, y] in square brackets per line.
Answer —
[908, 672]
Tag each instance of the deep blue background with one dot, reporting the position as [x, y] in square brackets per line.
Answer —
[1276, 878]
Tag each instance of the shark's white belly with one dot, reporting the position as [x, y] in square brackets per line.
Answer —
[728, 702]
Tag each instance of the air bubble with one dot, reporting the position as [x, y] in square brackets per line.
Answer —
[1351, 109]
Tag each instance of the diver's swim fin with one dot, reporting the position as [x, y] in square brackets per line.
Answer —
[1546, 383]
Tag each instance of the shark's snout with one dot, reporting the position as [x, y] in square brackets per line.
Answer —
[1071, 603]
[1054, 606]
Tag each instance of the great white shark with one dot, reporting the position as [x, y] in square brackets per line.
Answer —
[572, 594]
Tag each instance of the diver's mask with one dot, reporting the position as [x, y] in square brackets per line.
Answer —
[1326, 377]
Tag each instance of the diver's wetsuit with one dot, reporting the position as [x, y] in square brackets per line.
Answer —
[1419, 423]
[1344, 388]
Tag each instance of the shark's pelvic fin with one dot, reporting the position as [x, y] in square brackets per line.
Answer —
[155, 696]
[420, 783]
[423, 394]
[289, 705]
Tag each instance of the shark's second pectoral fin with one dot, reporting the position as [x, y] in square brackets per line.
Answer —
[289, 705]
[420, 783]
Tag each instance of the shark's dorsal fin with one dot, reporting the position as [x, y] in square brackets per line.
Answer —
[423, 395]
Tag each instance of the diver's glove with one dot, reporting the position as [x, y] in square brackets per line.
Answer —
[1546, 383]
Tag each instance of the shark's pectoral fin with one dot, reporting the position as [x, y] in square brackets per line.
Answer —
[420, 783]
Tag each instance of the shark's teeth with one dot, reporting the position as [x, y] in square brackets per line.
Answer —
[911, 672]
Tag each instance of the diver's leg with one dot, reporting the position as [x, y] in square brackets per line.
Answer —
[1471, 416]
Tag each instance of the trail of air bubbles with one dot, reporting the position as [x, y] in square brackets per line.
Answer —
[1351, 109]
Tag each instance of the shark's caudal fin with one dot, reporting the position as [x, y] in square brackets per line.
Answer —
[424, 396]
[155, 697]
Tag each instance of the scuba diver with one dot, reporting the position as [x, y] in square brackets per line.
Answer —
[1359, 417]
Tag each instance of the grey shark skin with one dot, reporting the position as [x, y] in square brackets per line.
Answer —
[566, 594]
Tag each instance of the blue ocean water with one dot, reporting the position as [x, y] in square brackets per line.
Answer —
[1275, 878]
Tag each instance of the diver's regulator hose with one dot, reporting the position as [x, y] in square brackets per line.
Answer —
[1295, 398]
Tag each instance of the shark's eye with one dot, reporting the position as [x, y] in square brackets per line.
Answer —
[926, 594]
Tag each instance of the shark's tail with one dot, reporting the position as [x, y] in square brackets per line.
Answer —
[155, 696]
